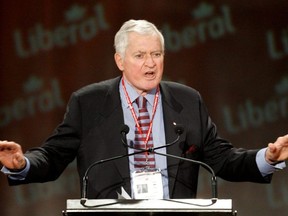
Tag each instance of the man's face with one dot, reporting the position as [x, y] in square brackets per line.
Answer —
[143, 63]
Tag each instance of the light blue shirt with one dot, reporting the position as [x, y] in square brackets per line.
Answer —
[264, 167]
[158, 132]
[17, 175]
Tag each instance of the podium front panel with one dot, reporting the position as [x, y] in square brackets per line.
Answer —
[193, 207]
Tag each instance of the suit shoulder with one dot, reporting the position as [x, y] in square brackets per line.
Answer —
[178, 88]
[98, 88]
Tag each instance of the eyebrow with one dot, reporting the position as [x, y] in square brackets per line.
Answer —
[139, 51]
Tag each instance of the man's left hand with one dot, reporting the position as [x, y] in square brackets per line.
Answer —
[277, 151]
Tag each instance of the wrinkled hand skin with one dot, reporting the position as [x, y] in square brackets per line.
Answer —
[11, 155]
[277, 151]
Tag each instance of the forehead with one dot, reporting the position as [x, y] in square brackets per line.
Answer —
[143, 42]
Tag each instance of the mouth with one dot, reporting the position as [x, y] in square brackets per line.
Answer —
[150, 74]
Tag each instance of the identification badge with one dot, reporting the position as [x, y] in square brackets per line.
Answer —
[147, 184]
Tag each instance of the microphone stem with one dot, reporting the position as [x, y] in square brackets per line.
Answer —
[213, 180]
[85, 178]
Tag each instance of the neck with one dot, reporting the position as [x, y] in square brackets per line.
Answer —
[142, 93]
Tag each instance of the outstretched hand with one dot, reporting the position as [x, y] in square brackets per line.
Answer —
[11, 155]
[277, 151]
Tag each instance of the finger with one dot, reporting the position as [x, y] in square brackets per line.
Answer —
[272, 147]
[9, 146]
[2, 142]
[6, 147]
[18, 161]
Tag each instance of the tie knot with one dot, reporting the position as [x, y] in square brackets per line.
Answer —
[141, 102]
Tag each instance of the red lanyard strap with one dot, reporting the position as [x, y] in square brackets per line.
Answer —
[155, 104]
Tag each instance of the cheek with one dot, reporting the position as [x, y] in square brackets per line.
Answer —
[135, 69]
[160, 67]
[133, 72]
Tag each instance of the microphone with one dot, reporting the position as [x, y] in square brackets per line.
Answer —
[124, 130]
[179, 129]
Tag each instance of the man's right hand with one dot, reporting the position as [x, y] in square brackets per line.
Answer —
[11, 155]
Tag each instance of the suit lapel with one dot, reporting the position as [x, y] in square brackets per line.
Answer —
[172, 114]
[113, 114]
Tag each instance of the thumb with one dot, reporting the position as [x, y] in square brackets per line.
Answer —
[19, 161]
[271, 148]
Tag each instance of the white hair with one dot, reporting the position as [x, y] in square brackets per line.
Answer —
[139, 26]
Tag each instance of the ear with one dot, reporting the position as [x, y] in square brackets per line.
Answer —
[119, 61]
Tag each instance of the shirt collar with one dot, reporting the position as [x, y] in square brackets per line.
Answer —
[134, 95]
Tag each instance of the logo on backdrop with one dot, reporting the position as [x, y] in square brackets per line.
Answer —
[211, 25]
[277, 44]
[250, 115]
[37, 99]
[77, 26]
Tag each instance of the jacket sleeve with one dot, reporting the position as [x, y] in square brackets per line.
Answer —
[49, 161]
[228, 162]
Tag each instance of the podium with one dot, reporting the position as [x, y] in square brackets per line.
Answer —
[193, 207]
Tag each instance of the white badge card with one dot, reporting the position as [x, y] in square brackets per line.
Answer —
[147, 185]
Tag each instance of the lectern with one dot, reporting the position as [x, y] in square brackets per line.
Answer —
[192, 207]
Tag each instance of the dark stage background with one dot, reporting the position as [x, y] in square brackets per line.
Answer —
[234, 52]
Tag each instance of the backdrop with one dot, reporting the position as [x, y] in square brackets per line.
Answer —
[234, 52]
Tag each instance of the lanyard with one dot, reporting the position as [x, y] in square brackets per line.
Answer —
[155, 103]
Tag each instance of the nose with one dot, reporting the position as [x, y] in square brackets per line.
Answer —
[149, 61]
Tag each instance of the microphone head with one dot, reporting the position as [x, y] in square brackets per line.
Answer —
[179, 129]
[124, 129]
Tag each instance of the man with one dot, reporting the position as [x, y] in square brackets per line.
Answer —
[90, 131]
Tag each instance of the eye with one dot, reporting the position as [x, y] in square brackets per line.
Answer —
[157, 54]
[139, 55]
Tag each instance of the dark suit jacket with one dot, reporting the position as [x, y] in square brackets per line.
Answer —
[90, 132]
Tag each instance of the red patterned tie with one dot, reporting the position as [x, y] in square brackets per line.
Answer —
[143, 160]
